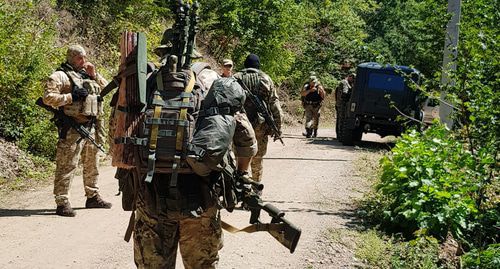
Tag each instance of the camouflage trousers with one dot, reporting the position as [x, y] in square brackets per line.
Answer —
[244, 141]
[312, 116]
[258, 160]
[157, 235]
[68, 154]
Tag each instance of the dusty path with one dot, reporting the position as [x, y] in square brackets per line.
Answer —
[312, 180]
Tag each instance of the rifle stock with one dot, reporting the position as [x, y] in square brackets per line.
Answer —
[280, 228]
[62, 119]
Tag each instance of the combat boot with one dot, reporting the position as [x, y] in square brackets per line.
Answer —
[314, 132]
[65, 210]
[97, 202]
[309, 132]
[306, 132]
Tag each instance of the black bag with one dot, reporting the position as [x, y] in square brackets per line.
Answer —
[215, 126]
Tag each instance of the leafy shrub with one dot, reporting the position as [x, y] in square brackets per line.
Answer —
[428, 185]
[27, 33]
[484, 259]
[40, 139]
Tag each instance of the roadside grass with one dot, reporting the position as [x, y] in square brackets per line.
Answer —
[377, 250]
[373, 247]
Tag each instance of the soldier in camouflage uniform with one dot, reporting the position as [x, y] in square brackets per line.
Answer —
[342, 94]
[75, 88]
[190, 219]
[312, 97]
[263, 87]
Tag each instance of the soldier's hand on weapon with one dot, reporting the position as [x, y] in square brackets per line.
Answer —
[79, 94]
[278, 136]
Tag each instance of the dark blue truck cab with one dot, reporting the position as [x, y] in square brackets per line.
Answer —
[372, 105]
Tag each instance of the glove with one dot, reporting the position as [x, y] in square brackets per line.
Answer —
[79, 94]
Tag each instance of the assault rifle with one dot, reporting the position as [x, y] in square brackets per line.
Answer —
[64, 122]
[280, 228]
[262, 109]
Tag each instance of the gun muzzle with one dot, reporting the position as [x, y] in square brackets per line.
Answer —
[258, 186]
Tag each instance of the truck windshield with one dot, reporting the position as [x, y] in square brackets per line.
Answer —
[389, 82]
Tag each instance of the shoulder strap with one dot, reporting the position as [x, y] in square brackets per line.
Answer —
[157, 103]
[180, 130]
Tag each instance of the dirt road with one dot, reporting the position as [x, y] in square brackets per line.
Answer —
[312, 180]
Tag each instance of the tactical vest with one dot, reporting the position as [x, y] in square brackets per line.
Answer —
[252, 78]
[313, 98]
[91, 105]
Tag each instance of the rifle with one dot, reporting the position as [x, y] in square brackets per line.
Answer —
[262, 109]
[280, 228]
[111, 85]
[62, 120]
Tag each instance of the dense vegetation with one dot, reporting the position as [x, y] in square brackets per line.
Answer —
[437, 183]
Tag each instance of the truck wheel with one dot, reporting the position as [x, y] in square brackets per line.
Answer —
[357, 134]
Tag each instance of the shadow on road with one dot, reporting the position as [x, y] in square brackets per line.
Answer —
[351, 217]
[365, 145]
[306, 159]
[30, 212]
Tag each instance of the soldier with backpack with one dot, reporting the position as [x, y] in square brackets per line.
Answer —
[180, 143]
[261, 86]
[312, 97]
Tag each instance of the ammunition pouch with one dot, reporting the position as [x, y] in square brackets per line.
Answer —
[126, 187]
[92, 104]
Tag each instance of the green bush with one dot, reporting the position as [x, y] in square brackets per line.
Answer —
[428, 185]
[27, 33]
[483, 259]
[40, 139]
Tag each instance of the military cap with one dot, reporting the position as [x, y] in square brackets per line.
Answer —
[227, 62]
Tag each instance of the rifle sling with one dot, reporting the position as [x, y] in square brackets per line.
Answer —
[257, 227]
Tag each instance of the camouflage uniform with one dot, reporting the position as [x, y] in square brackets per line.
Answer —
[159, 230]
[191, 221]
[311, 101]
[58, 94]
[261, 85]
[244, 140]
[342, 94]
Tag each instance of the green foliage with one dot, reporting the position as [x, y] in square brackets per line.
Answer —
[25, 59]
[484, 259]
[427, 181]
[421, 252]
[373, 250]
[273, 29]
[98, 26]
[39, 139]
[377, 250]
[409, 32]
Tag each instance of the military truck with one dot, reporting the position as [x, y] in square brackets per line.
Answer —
[373, 103]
